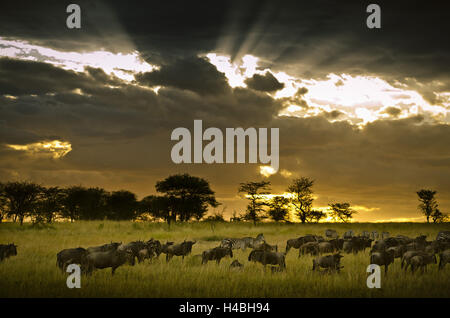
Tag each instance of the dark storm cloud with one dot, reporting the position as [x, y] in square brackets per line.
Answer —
[392, 111]
[265, 83]
[19, 77]
[334, 114]
[193, 73]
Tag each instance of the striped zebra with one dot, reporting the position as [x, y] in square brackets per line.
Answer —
[242, 243]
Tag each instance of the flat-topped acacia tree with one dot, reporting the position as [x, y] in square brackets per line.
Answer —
[187, 196]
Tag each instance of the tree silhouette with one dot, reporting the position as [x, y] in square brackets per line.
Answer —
[315, 216]
[439, 217]
[21, 198]
[254, 190]
[121, 205]
[302, 197]
[49, 204]
[71, 201]
[428, 203]
[341, 211]
[278, 208]
[158, 207]
[187, 196]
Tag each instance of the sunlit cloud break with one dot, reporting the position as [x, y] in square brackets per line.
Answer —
[55, 149]
[124, 66]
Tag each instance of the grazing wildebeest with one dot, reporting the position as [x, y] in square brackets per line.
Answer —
[113, 259]
[355, 244]
[145, 254]
[383, 258]
[164, 247]
[104, 248]
[243, 243]
[444, 258]
[329, 262]
[365, 234]
[325, 247]
[71, 256]
[266, 247]
[135, 247]
[154, 246]
[298, 242]
[406, 258]
[348, 235]
[216, 254]
[309, 248]
[183, 249]
[236, 264]
[268, 258]
[337, 243]
[397, 250]
[331, 233]
[422, 261]
[7, 250]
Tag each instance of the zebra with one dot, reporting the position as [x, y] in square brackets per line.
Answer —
[243, 243]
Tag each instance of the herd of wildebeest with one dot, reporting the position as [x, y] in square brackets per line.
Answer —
[412, 252]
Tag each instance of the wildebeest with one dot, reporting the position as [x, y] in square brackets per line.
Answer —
[349, 234]
[104, 248]
[329, 262]
[374, 235]
[154, 246]
[134, 247]
[356, 244]
[216, 254]
[268, 258]
[443, 236]
[325, 247]
[406, 258]
[331, 233]
[71, 256]
[385, 235]
[444, 258]
[183, 249]
[7, 250]
[165, 246]
[337, 243]
[309, 248]
[397, 250]
[242, 243]
[365, 234]
[422, 261]
[266, 247]
[112, 258]
[298, 242]
[383, 258]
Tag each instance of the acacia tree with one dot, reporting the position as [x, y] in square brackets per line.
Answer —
[21, 198]
[315, 216]
[121, 205]
[254, 190]
[439, 217]
[428, 203]
[49, 204]
[341, 212]
[302, 198]
[187, 196]
[278, 208]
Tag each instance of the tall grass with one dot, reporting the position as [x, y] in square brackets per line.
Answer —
[33, 272]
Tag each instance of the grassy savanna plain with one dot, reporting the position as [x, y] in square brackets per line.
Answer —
[33, 272]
